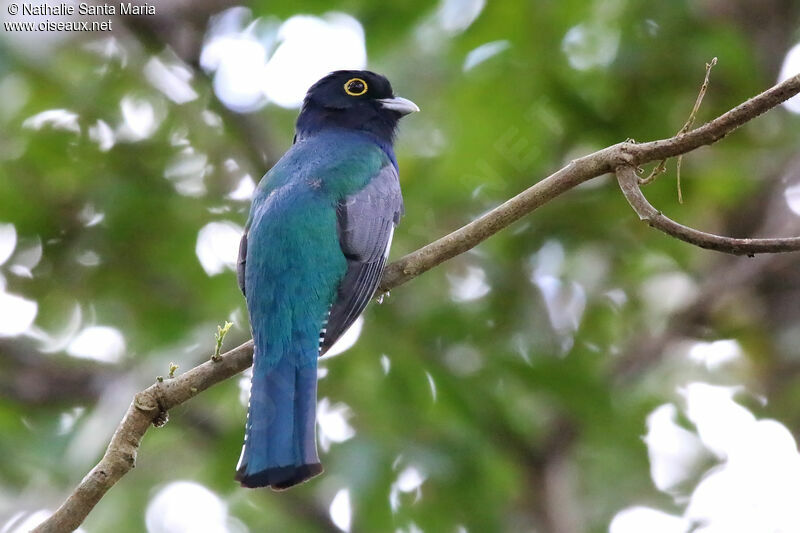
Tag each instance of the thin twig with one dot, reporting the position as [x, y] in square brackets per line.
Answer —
[690, 122]
[149, 404]
[656, 172]
[662, 165]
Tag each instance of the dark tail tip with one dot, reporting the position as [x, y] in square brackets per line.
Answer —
[280, 478]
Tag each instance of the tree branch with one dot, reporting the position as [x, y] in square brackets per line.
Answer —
[629, 183]
[578, 171]
[727, 277]
[150, 405]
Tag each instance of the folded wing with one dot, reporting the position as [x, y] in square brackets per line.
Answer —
[366, 222]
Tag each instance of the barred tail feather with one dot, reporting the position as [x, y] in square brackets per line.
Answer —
[280, 448]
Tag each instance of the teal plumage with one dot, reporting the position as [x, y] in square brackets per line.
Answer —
[315, 244]
[299, 240]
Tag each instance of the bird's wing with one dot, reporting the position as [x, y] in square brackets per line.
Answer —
[366, 222]
[240, 263]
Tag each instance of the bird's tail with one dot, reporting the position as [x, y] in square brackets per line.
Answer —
[280, 448]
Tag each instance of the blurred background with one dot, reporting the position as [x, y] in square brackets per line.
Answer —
[578, 372]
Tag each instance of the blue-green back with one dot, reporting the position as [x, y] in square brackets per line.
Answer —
[294, 261]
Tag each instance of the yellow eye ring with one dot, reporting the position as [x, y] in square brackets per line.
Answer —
[352, 87]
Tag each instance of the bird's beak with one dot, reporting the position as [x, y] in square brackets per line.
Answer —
[403, 106]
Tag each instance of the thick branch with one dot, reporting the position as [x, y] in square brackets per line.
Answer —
[151, 404]
[629, 183]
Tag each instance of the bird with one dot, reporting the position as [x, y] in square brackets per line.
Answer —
[314, 247]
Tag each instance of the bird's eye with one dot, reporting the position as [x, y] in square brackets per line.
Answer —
[355, 87]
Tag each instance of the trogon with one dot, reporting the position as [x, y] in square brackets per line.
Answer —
[312, 254]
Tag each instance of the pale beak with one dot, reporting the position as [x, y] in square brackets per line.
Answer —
[403, 106]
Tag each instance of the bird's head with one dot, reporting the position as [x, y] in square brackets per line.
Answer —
[353, 99]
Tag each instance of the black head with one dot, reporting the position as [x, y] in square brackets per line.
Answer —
[353, 99]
